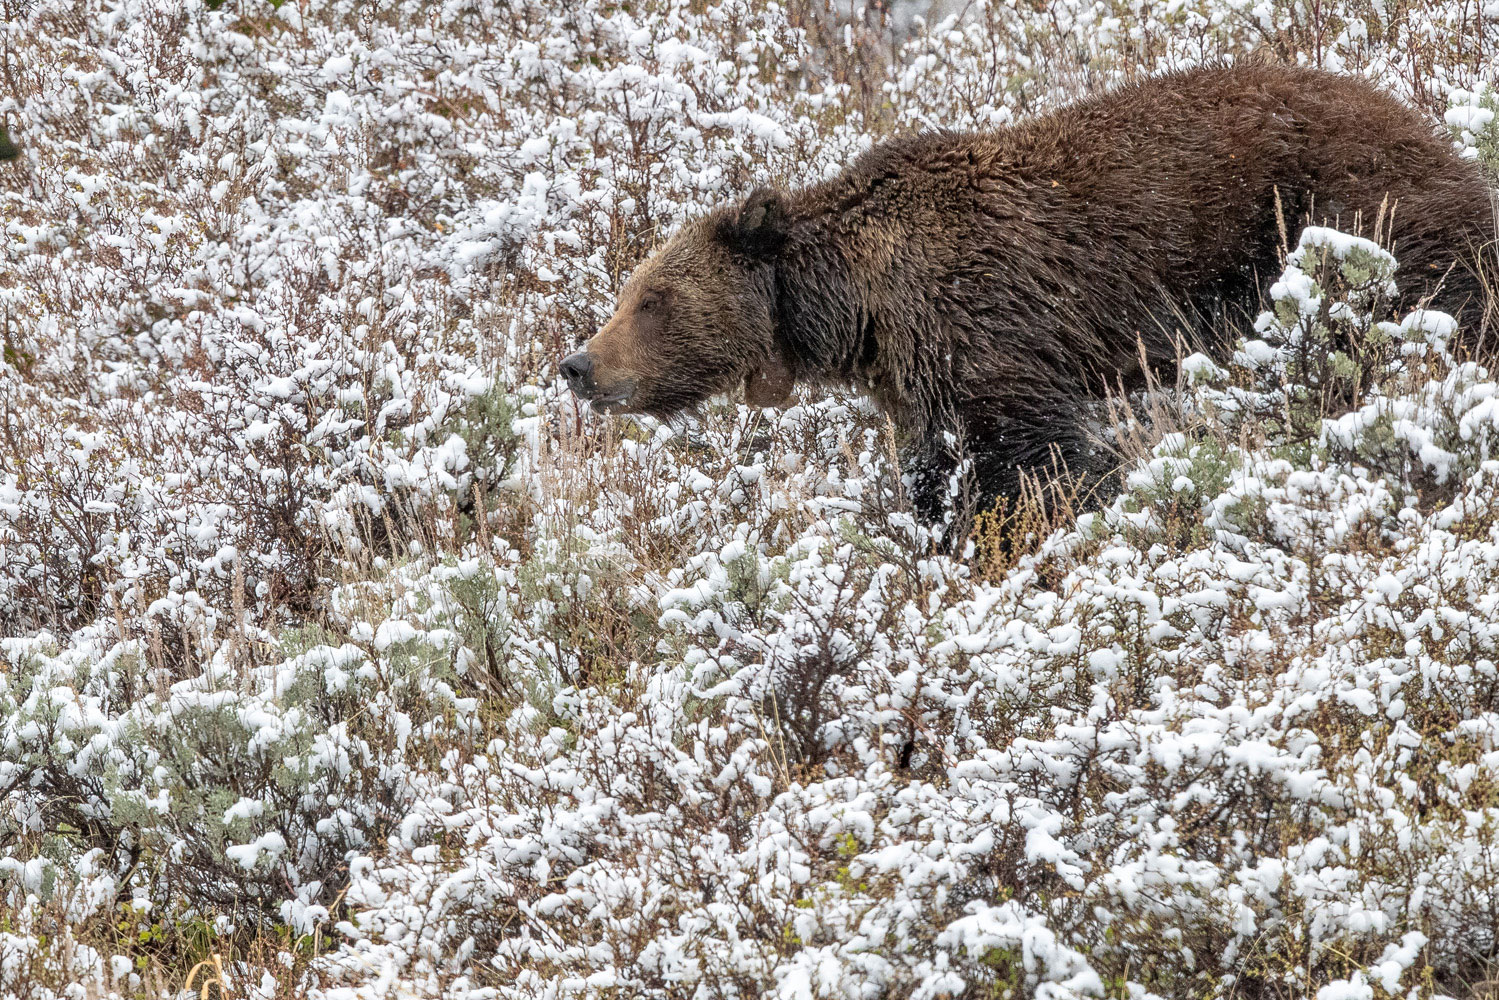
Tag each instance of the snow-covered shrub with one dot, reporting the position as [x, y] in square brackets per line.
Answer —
[225, 790]
[1317, 352]
[1470, 119]
[1327, 378]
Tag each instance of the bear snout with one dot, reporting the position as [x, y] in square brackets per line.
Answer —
[580, 370]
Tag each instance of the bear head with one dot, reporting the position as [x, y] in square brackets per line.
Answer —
[694, 320]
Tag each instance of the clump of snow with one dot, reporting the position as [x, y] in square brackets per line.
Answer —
[1470, 117]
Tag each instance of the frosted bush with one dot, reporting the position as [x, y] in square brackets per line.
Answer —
[239, 783]
[1470, 119]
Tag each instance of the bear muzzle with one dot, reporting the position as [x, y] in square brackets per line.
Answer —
[580, 371]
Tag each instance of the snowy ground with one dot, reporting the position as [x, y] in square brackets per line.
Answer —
[343, 653]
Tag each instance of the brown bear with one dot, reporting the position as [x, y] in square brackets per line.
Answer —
[978, 285]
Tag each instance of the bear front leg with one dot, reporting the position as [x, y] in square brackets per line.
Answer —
[955, 475]
[940, 480]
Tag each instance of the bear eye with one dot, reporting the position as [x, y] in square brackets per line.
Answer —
[649, 302]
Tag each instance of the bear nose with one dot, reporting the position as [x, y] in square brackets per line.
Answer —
[578, 370]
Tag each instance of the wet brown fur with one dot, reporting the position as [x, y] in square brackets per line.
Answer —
[980, 284]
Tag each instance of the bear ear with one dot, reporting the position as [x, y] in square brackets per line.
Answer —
[770, 383]
[760, 227]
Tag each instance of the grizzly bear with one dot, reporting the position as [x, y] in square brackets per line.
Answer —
[978, 285]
